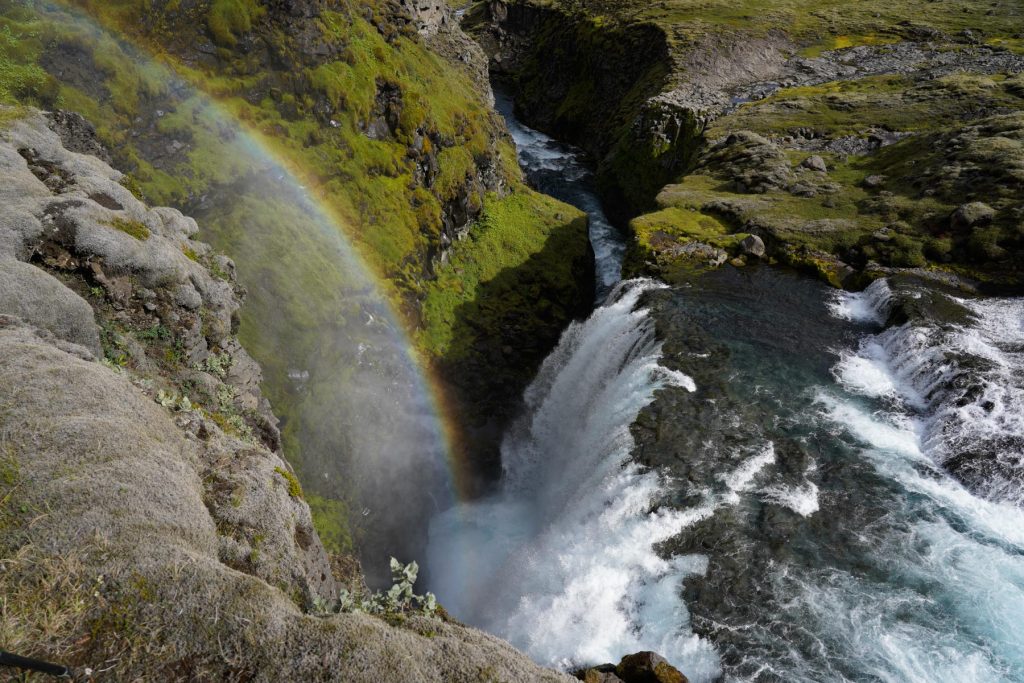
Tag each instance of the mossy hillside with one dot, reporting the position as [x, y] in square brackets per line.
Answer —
[888, 102]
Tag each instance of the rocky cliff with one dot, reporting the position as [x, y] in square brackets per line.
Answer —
[255, 116]
[149, 527]
[848, 141]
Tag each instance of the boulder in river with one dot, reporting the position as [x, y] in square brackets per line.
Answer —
[641, 667]
[752, 246]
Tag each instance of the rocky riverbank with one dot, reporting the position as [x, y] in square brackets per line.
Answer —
[848, 143]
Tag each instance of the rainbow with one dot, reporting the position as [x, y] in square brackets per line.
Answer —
[267, 153]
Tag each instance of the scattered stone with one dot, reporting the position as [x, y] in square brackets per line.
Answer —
[874, 181]
[753, 246]
[815, 163]
[969, 215]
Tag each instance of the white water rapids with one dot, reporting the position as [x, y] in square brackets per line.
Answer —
[569, 573]
[892, 568]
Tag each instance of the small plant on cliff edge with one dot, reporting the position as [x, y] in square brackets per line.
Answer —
[397, 600]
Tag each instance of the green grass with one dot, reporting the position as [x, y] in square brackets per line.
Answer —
[294, 487]
[330, 517]
[229, 17]
[524, 231]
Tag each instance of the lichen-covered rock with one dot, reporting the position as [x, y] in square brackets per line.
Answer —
[168, 307]
[40, 299]
[815, 163]
[149, 527]
[752, 245]
[180, 553]
[751, 162]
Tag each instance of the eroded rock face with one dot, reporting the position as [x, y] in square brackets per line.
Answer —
[162, 531]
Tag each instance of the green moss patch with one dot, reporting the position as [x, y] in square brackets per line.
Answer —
[134, 228]
[534, 237]
[294, 487]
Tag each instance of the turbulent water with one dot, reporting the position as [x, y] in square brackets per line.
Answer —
[560, 171]
[762, 479]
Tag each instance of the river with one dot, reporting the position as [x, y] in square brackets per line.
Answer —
[757, 476]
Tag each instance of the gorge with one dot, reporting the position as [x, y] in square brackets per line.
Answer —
[697, 331]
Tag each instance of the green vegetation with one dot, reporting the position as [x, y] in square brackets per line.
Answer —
[131, 227]
[525, 233]
[330, 517]
[396, 602]
[294, 487]
[19, 75]
[228, 17]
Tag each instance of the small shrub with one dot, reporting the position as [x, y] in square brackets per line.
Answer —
[397, 601]
[174, 401]
[216, 364]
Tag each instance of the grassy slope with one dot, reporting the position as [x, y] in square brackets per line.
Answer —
[823, 23]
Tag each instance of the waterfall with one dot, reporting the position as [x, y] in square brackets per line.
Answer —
[561, 560]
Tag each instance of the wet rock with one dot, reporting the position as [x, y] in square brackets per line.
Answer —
[648, 667]
[815, 163]
[753, 246]
[77, 134]
[970, 215]
[602, 673]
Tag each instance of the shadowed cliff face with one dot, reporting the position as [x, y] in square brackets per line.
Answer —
[590, 83]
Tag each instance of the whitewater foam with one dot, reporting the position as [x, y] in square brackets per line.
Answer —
[963, 385]
[562, 561]
[869, 306]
